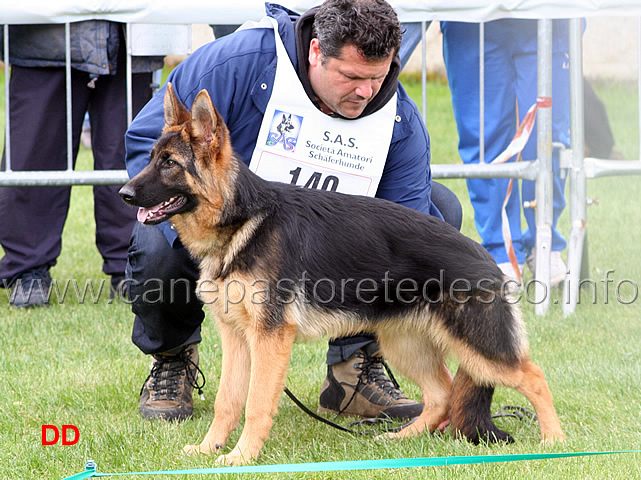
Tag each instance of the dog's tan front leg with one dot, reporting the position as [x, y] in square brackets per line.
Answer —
[270, 354]
[232, 391]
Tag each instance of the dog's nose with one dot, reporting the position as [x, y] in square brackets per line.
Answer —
[127, 193]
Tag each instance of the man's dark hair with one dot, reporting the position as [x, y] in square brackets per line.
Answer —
[371, 26]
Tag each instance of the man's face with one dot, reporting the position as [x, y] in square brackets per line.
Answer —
[347, 84]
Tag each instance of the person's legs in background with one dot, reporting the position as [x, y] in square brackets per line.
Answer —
[560, 134]
[461, 55]
[34, 217]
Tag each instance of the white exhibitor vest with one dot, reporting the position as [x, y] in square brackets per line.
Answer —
[299, 144]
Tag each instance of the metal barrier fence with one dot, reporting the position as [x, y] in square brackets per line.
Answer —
[137, 46]
[578, 168]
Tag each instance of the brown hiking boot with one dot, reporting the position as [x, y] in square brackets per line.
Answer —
[167, 391]
[361, 387]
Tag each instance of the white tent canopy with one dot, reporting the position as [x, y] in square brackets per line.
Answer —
[213, 11]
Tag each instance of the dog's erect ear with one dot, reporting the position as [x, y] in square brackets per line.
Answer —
[175, 112]
[203, 118]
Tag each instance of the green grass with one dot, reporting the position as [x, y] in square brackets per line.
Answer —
[621, 100]
[75, 364]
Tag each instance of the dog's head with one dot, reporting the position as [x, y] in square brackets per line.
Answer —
[189, 164]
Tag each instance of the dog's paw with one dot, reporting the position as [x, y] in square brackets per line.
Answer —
[551, 439]
[233, 458]
[193, 450]
[385, 436]
[405, 433]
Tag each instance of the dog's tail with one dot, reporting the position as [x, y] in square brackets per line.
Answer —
[470, 412]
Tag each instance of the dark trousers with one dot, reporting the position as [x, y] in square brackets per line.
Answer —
[162, 282]
[32, 218]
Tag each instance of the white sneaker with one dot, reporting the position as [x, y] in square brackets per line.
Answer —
[509, 272]
[557, 267]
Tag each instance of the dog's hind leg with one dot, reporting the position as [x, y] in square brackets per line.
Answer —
[270, 352]
[488, 338]
[232, 391]
[471, 401]
[534, 387]
[470, 412]
[421, 362]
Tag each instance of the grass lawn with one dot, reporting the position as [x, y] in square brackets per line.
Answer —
[74, 363]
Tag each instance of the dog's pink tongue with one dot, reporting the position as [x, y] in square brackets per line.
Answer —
[142, 214]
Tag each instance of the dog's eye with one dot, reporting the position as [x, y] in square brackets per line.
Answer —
[167, 160]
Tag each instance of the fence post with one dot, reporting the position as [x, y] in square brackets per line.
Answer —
[544, 182]
[578, 184]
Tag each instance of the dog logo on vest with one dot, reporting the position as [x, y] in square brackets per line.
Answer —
[284, 130]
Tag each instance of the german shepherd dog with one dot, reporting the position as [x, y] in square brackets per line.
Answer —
[303, 264]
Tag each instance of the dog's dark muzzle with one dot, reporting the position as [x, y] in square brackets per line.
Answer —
[128, 194]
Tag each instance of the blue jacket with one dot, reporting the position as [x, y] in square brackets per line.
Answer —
[238, 72]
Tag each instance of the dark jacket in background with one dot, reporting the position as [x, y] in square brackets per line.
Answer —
[94, 47]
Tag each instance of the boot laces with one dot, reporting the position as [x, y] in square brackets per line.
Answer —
[374, 370]
[167, 372]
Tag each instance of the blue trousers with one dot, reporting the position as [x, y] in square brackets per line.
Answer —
[510, 83]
